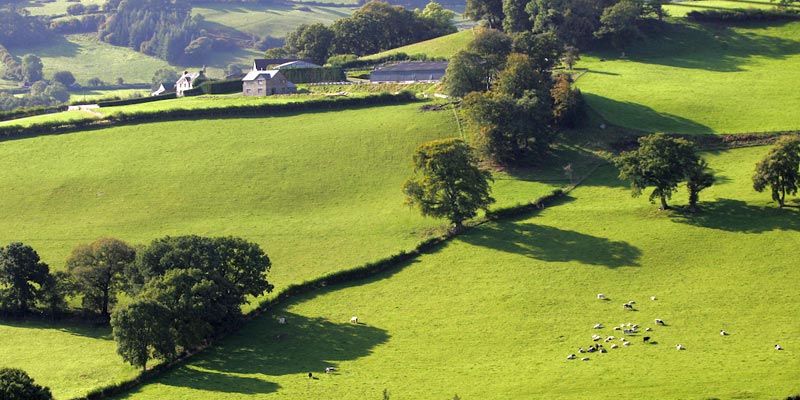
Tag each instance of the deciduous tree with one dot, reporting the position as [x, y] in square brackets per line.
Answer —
[64, 77]
[447, 182]
[97, 269]
[16, 384]
[779, 170]
[31, 68]
[23, 274]
[142, 332]
[660, 162]
[698, 177]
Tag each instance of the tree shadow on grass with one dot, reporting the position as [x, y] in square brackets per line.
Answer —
[737, 216]
[642, 116]
[551, 244]
[267, 348]
[87, 329]
[712, 47]
[58, 46]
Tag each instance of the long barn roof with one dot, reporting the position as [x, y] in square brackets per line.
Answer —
[412, 66]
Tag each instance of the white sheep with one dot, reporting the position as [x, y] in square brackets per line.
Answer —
[723, 332]
[581, 350]
[598, 326]
[614, 346]
[679, 347]
[653, 298]
[601, 296]
[354, 320]
[571, 357]
[616, 328]
[660, 321]
[329, 370]
[778, 347]
[282, 320]
[585, 359]
[627, 343]
[648, 329]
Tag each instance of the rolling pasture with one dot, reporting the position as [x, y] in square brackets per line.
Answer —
[495, 312]
[444, 46]
[680, 9]
[699, 79]
[320, 192]
[269, 19]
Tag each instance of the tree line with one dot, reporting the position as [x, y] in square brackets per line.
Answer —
[375, 27]
[184, 290]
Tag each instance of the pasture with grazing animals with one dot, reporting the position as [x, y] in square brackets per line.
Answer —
[425, 331]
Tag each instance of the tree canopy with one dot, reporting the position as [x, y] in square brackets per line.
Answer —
[22, 274]
[661, 162]
[16, 384]
[447, 182]
[98, 269]
[142, 332]
[779, 170]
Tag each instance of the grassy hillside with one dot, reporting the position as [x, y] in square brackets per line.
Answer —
[269, 20]
[444, 46]
[495, 313]
[697, 79]
[319, 192]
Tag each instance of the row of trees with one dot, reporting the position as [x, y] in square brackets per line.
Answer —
[511, 102]
[374, 27]
[574, 22]
[184, 289]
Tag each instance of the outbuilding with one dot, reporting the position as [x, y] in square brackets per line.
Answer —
[411, 71]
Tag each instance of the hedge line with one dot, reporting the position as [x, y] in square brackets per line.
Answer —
[341, 277]
[743, 15]
[30, 112]
[400, 56]
[337, 103]
[125, 102]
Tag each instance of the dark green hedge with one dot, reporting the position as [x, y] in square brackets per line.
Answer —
[314, 75]
[743, 15]
[336, 103]
[30, 112]
[125, 102]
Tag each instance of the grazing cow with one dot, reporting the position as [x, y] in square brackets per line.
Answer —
[646, 339]
[679, 347]
[601, 296]
[723, 333]
[660, 321]
[571, 357]
[354, 320]
[778, 347]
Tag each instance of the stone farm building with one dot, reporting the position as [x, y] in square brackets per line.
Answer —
[410, 71]
[266, 83]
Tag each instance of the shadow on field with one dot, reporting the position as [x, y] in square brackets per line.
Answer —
[89, 330]
[711, 47]
[738, 216]
[57, 46]
[265, 347]
[645, 117]
[547, 243]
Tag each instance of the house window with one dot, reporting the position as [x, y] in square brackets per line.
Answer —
[260, 82]
[248, 90]
[260, 91]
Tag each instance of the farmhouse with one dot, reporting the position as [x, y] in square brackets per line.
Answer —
[410, 72]
[265, 83]
[186, 82]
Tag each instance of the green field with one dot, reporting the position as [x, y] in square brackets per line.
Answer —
[444, 46]
[698, 79]
[680, 9]
[269, 20]
[319, 192]
[494, 313]
[65, 116]
[56, 7]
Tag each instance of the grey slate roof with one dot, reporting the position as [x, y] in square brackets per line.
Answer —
[253, 75]
[414, 66]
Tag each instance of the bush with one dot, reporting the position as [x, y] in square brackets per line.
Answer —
[739, 15]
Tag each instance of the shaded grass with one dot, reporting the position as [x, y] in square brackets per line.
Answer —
[680, 9]
[692, 78]
[494, 313]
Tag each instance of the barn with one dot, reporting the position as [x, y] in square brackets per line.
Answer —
[411, 71]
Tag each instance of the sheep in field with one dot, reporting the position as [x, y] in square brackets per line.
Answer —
[778, 347]
[614, 346]
[598, 326]
[571, 357]
[646, 339]
[601, 296]
[723, 333]
[329, 370]
[585, 359]
[354, 320]
[679, 347]
[660, 321]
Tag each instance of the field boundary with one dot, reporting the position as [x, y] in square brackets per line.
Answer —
[359, 273]
[11, 132]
